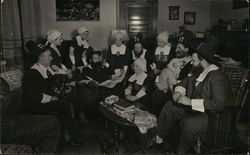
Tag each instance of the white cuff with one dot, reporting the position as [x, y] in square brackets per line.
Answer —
[140, 94]
[64, 67]
[198, 105]
[106, 64]
[157, 79]
[51, 71]
[72, 59]
[84, 61]
[61, 71]
[46, 98]
[180, 89]
[128, 91]
[125, 68]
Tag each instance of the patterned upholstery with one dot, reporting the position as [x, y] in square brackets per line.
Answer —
[41, 133]
[15, 149]
[11, 92]
[238, 78]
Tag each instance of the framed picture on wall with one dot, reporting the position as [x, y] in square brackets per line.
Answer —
[189, 18]
[77, 10]
[174, 12]
[237, 4]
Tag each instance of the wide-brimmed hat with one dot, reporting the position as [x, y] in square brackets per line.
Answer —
[36, 49]
[208, 49]
[186, 39]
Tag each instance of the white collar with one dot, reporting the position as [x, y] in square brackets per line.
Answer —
[141, 56]
[56, 49]
[187, 59]
[203, 75]
[41, 69]
[165, 50]
[139, 79]
[121, 49]
[89, 66]
[81, 42]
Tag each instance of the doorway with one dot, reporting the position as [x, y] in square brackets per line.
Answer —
[138, 16]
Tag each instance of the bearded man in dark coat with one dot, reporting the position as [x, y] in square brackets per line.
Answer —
[207, 90]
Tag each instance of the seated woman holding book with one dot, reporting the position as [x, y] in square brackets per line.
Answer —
[139, 84]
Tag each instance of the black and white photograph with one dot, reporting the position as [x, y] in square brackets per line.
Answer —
[189, 18]
[237, 4]
[132, 77]
[174, 12]
[75, 10]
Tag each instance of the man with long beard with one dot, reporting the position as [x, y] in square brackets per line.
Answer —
[184, 50]
[207, 90]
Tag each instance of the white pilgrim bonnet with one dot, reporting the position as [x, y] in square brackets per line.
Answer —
[163, 36]
[114, 33]
[82, 29]
[142, 63]
[52, 35]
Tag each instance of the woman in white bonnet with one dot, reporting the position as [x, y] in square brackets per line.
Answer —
[140, 84]
[79, 48]
[54, 41]
[163, 53]
[118, 55]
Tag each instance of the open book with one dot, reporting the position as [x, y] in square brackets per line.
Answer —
[108, 83]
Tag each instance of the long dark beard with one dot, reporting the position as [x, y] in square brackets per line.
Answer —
[181, 54]
[96, 65]
[139, 54]
[197, 70]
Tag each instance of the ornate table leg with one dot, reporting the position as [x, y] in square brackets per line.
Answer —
[116, 139]
[105, 137]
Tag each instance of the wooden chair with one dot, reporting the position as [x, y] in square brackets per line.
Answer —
[220, 136]
[238, 77]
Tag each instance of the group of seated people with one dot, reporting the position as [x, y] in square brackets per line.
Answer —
[175, 81]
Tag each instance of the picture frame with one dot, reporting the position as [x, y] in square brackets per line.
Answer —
[189, 18]
[173, 13]
[77, 10]
[237, 4]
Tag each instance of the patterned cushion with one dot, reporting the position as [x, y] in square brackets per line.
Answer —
[41, 133]
[15, 149]
[11, 92]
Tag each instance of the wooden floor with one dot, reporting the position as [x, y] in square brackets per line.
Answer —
[92, 136]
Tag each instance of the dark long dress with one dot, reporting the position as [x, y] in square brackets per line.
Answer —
[78, 51]
[118, 59]
[161, 60]
[56, 58]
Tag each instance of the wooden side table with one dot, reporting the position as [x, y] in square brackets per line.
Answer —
[116, 121]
